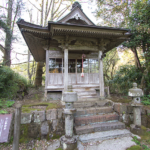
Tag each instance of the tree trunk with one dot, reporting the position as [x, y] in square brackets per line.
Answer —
[7, 58]
[136, 58]
[39, 72]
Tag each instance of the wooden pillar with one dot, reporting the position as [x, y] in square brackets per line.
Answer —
[47, 72]
[65, 70]
[101, 76]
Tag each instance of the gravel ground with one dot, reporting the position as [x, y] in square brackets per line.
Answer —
[34, 145]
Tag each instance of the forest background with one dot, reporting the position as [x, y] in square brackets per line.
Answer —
[123, 65]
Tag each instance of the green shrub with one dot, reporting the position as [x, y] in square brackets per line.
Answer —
[123, 79]
[146, 99]
[10, 83]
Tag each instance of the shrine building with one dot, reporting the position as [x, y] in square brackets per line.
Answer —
[72, 49]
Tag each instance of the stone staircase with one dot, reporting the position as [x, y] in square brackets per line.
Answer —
[85, 93]
[99, 118]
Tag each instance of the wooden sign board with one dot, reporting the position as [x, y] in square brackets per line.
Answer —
[5, 124]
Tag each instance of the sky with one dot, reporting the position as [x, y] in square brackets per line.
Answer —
[19, 45]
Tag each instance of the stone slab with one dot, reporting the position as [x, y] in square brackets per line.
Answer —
[26, 118]
[70, 96]
[51, 114]
[122, 143]
[5, 126]
[99, 127]
[39, 116]
[104, 135]
[96, 118]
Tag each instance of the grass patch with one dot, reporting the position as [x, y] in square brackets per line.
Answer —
[59, 149]
[28, 108]
[135, 147]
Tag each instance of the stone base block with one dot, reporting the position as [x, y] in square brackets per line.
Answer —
[68, 143]
[136, 129]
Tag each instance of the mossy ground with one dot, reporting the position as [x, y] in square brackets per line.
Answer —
[120, 99]
[135, 147]
[27, 108]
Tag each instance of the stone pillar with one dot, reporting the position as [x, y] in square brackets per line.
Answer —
[65, 70]
[101, 76]
[17, 122]
[69, 141]
[137, 115]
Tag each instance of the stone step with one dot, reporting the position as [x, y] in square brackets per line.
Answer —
[93, 111]
[88, 96]
[83, 90]
[85, 86]
[97, 103]
[107, 126]
[82, 93]
[92, 98]
[97, 136]
[95, 119]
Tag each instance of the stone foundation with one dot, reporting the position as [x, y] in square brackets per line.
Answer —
[43, 124]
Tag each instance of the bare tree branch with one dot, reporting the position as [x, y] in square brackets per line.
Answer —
[21, 63]
[34, 6]
[4, 7]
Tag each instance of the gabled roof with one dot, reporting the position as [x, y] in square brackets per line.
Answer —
[75, 24]
[77, 16]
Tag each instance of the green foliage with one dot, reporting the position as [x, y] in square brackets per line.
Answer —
[135, 139]
[146, 99]
[3, 112]
[11, 83]
[124, 78]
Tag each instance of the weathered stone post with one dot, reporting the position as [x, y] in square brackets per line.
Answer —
[136, 93]
[69, 141]
[17, 122]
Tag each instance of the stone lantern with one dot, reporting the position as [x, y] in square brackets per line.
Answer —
[136, 93]
[69, 141]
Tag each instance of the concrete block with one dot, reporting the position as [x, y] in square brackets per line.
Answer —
[44, 128]
[26, 118]
[119, 108]
[69, 96]
[39, 116]
[55, 124]
[59, 111]
[51, 114]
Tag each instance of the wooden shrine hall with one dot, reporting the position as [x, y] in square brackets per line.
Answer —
[73, 49]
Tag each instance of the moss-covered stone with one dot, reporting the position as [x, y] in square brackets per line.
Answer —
[135, 147]
[28, 107]
[56, 136]
[24, 133]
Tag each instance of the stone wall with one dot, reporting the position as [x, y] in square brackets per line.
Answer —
[125, 112]
[43, 124]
